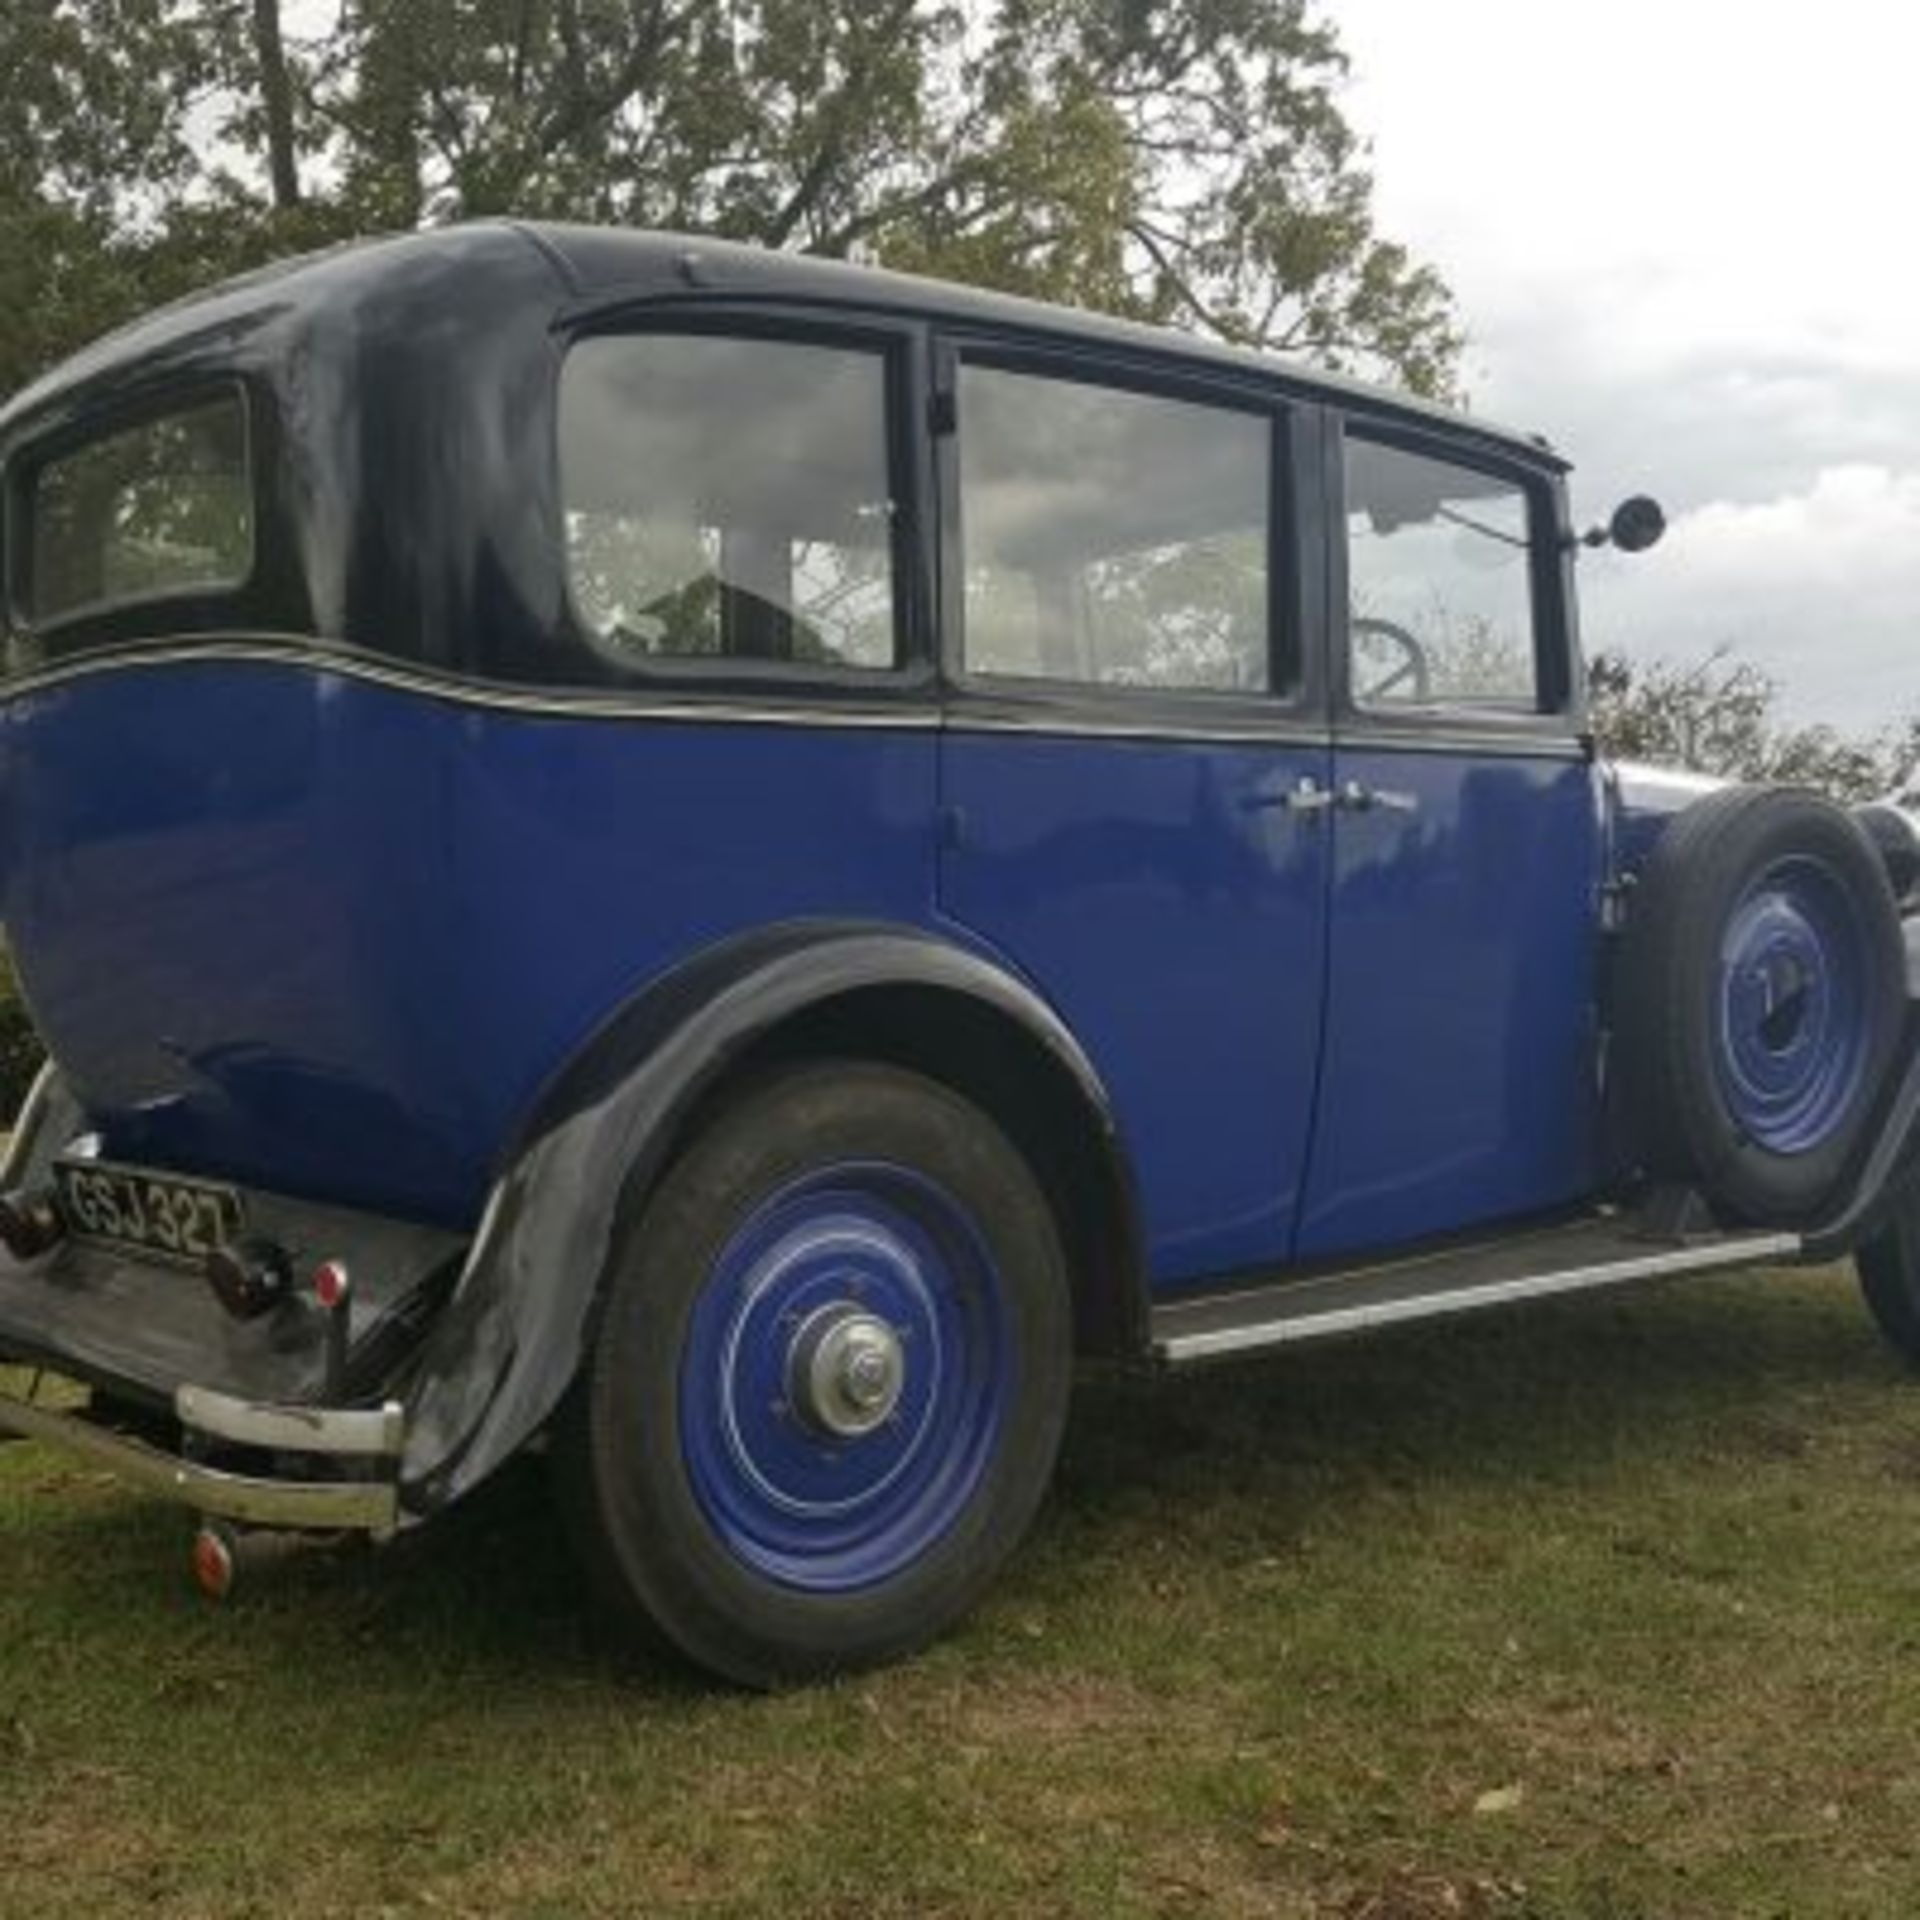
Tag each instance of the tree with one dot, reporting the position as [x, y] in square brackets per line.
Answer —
[1720, 716]
[1182, 161]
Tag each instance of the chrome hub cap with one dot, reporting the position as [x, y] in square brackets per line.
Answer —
[846, 1370]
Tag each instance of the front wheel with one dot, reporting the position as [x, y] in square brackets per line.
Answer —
[1889, 1269]
[829, 1381]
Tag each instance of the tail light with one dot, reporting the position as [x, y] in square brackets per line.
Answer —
[29, 1222]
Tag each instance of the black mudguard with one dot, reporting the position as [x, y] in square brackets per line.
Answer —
[511, 1340]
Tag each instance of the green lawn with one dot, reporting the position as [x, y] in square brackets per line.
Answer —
[1610, 1608]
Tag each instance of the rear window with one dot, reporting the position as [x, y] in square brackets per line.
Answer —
[144, 512]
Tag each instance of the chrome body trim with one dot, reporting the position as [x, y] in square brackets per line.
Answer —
[1289, 1329]
[364, 1506]
[364, 1432]
[1446, 735]
[891, 708]
[1284, 730]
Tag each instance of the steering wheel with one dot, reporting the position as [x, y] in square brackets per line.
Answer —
[1414, 672]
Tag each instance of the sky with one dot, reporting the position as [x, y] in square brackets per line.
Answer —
[1683, 241]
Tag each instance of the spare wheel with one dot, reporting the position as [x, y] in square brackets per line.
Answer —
[1759, 1001]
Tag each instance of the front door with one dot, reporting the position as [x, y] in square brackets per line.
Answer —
[1133, 769]
[1459, 1082]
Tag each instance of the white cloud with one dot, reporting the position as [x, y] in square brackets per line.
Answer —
[1820, 587]
[1678, 233]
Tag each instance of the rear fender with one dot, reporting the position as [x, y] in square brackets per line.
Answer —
[48, 1118]
[514, 1334]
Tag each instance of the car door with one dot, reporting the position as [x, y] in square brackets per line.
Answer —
[1459, 1081]
[1134, 760]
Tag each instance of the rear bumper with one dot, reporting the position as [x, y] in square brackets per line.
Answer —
[257, 1434]
[364, 1446]
[119, 1321]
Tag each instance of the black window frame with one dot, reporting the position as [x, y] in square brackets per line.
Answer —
[1561, 716]
[1295, 581]
[902, 348]
[91, 426]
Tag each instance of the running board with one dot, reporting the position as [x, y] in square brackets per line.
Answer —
[1607, 1251]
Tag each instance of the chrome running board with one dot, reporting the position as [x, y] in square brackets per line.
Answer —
[1604, 1251]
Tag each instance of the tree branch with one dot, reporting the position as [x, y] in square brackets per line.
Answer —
[584, 105]
[276, 96]
[1234, 332]
[834, 122]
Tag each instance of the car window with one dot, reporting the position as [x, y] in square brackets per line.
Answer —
[729, 497]
[145, 511]
[1111, 537]
[1440, 584]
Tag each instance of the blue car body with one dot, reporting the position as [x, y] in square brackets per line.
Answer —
[362, 883]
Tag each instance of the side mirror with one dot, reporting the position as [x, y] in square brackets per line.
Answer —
[1637, 524]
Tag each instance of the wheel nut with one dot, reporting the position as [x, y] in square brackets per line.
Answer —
[845, 1370]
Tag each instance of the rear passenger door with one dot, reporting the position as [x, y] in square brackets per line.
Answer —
[1459, 1075]
[1135, 759]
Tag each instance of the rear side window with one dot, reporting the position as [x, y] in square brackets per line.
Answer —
[145, 512]
[1111, 537]
[729, 498]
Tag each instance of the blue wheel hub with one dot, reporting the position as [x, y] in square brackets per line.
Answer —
[845, 1378]
[1792, 1032]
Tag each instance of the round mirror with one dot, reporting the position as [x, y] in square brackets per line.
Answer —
[1637, 524]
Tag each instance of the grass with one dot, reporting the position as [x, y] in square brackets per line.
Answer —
[1609, 1608]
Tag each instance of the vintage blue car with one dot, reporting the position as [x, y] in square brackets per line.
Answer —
[734, 861]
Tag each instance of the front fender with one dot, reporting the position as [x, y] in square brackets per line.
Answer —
[515, 1332]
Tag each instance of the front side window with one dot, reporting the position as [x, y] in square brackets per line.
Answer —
[147, 511]
[1440, 584]
[1112, 538]
[729, 498]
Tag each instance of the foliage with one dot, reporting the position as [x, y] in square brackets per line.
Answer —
[1183, 161]
[20, 1049]
[1720, 716]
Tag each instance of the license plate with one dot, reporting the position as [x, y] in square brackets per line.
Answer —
[156, 1214]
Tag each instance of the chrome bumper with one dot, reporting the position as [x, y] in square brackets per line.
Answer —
[373, 1437]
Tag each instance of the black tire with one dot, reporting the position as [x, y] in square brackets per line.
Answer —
[635, 1447]
[1889, 1270]
[1687, 1088]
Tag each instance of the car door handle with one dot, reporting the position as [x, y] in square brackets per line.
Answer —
[1358, 799]
[1306, 795]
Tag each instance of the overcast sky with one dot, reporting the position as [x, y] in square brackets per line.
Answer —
[1683, 241]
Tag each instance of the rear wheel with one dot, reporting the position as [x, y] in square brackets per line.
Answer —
[829, 1380]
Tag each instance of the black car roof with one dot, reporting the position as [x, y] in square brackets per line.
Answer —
[603, 268]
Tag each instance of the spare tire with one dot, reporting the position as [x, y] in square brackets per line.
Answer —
[1759, 999]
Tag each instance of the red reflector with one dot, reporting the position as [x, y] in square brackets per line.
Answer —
[212, 1563]
[330, 1284]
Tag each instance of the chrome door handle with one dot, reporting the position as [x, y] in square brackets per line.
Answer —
[1306, 795]
[1359, 799]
